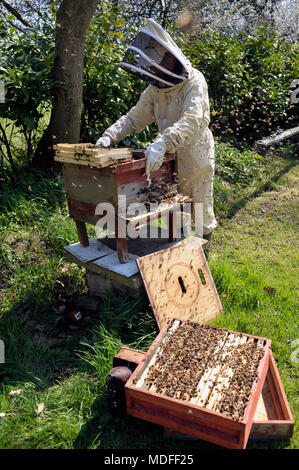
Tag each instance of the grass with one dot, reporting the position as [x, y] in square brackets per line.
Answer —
[253, 261]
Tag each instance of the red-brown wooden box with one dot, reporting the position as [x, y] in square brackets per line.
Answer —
[86, 185]
[189, 419]
[272, 419]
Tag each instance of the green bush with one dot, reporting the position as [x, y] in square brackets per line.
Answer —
[249, 80]
[25, 68]
[235, 166]
[108, 91]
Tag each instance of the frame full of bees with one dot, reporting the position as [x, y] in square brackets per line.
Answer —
[201, 380]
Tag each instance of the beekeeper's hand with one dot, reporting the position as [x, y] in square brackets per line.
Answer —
[154, 155]
[103, 142]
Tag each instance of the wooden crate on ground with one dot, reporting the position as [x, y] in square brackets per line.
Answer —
[195, 414]
[273, 417]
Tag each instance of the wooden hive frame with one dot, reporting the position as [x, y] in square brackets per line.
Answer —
[189, 418]
[273, 417]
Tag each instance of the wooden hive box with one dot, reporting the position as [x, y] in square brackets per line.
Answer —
[186, 416]
[95, 175]
[273, 417]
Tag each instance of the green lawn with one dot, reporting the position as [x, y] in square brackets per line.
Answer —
[254, 248]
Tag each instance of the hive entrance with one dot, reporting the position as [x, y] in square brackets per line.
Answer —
[181, 281]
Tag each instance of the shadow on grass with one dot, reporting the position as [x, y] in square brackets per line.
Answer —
[104, 431]
[267, 186]
[26, 183]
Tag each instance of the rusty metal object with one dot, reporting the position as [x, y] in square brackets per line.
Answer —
[115, 382]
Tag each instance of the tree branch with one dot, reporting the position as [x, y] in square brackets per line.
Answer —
[14, 12]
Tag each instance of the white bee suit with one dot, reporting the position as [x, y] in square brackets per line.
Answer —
[182, 113]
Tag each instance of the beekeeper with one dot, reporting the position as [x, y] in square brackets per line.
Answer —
[177, 99]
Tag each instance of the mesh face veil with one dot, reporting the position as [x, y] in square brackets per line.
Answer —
[152, 61]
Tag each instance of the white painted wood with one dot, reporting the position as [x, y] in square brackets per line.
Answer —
[95, 250]
[112, 263]
[205, 378]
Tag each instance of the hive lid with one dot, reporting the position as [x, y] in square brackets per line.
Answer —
[88, 154]
[179, 283]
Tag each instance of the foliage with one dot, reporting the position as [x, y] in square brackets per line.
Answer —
[25, 68]
[234, 166]
[250, 80]
[108, 91]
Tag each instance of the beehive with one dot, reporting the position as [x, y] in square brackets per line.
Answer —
[273, 417]
[202, 381]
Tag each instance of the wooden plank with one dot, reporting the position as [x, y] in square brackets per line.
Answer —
[279, 390]
[224, 375]
[161, 273]
[261, 412]
[133, 282]
[128, 357]
[275, 139]
[88, 185]
[97, 163]
[112, 263]
[88, 149]
[93, 251]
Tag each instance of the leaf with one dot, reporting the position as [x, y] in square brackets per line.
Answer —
[15, 392]
[39, 409]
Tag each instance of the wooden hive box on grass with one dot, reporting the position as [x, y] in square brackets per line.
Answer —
[95, 175]
[212, 404]
[273, 417]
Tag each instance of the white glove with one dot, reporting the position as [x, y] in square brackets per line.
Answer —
[103, 142]
[154, 155]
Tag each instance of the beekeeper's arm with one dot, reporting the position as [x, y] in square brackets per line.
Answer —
[135, 120]
[181, 132]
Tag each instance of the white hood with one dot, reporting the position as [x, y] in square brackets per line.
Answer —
[144, 57]
[157, 32]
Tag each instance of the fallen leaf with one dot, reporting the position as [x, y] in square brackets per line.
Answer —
[270, 290]
[39, 409]
[15, 392]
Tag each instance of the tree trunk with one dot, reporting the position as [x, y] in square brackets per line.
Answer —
[72, 21]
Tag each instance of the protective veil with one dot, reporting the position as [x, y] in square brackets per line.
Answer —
[177, 99]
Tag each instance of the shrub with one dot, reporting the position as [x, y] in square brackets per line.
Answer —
[25, 68]
[249, 80]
